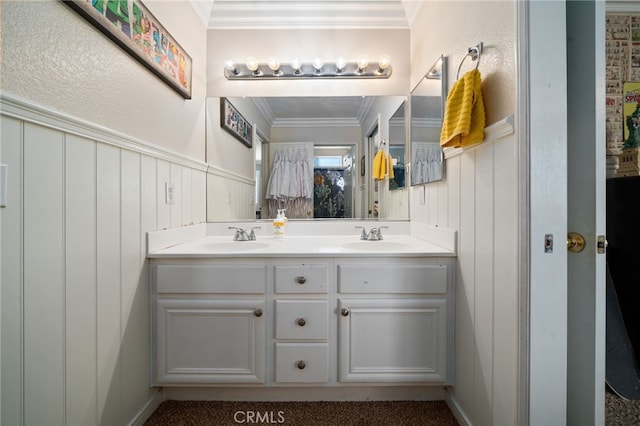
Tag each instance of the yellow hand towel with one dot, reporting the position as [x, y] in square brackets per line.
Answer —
[379, 166]
[464, 115]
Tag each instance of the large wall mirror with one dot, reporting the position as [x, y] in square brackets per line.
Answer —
[427, 111]
[310, 155]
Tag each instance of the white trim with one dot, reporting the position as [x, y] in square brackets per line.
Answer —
[623, 6]
[455, 408]
[13, 106]
[492, 133]
[217, 171]
[145, 413]
[522, 148]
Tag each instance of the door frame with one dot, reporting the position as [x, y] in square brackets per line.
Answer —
[546, 186]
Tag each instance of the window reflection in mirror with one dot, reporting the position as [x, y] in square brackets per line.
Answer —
[427, 110]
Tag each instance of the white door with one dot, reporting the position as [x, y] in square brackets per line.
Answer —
[562, 45]
[586, 346]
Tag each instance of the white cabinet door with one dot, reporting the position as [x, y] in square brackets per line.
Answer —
[210, 341]
[393, 340]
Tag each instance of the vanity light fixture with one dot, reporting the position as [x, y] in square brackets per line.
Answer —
[274, 65]
[254, 66]
[274, 69]
[363, 63]
[230, 66]
[383, 63]
[318, 64]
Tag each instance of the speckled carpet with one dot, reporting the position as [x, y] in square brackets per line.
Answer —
[369, 413]
[620, 412]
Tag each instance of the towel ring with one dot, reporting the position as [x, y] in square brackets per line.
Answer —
[474, 53]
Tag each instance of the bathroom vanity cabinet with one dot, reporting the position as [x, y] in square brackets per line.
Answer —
[320, 321]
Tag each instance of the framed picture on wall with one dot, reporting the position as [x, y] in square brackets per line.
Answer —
[233, 122]
[130, 25]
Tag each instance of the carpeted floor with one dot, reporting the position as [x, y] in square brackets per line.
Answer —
[369, 413]
[620, 412]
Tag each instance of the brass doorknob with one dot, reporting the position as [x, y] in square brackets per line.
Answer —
[575, 242]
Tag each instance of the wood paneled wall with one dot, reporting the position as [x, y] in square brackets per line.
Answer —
[479, 199]
[75, 305]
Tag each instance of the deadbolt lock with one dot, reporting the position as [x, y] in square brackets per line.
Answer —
[575, 242]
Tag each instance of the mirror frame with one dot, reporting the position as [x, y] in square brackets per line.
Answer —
[398, 120]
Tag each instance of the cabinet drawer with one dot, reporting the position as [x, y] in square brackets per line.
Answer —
[302, 362]
[247, 279]
[301, 278]
[302, 319]
[392, 278]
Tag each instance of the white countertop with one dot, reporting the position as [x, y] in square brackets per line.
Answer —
[401, 239]
[303, 246]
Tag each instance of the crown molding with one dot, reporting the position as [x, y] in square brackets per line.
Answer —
[247, 14]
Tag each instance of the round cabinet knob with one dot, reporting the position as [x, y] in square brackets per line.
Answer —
[344, 312]
[301, 365]
[301, 280]
[257, 312]
[301, 322]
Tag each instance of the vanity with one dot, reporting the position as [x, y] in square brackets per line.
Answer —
[318, 308]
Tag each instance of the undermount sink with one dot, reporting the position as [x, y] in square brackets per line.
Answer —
[375, 245]
[236, 246]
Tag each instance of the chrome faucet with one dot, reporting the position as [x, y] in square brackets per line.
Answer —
[242, 235]
[375, 234]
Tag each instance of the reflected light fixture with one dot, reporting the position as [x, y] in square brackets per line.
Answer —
[273, 69]
[435, 72]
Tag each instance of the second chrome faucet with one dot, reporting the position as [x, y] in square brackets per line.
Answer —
[375, 234]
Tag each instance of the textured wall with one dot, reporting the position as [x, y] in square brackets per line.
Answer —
[52, 56]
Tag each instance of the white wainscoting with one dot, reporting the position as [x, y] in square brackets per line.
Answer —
[75, 287]
[230, 197]
[479, 199]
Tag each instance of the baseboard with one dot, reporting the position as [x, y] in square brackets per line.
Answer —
[148, 409]
[458, 412]
[347, 393]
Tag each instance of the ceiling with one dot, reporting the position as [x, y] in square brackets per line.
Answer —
[314, 111]
[275, 14]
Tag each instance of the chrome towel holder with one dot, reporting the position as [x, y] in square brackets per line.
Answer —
[474, 53]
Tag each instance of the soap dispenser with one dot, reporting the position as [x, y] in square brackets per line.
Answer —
[278, 224]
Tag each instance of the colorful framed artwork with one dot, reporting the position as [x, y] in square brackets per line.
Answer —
[233, 122]
[130, 25]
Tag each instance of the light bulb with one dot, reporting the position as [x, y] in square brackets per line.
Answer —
[231, 66]
[274, 64]
[384, 62]
[340, 64]
[295, 64]
[318, 64]
[362, 64]
[252, 64]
